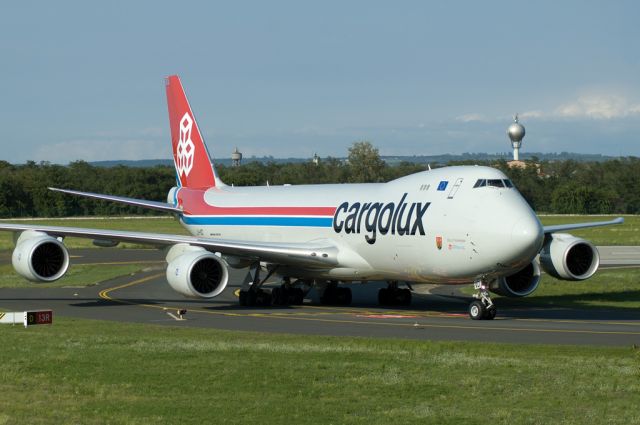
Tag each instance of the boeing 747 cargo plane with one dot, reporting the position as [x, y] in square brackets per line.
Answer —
[452, 225]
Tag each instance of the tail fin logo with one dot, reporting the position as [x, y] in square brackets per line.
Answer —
[185, 149]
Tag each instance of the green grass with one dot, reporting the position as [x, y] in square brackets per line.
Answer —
[77, 275]
[142, 224]
[91, 372]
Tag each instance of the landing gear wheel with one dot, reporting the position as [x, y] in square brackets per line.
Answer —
[263, 299]
[287, 296]
[254, 298]
[482, 308]
[491, 313]
[336, 296]
[343, 296]
[477, 310]
[298, 296]
[383, 296]
[277, 296]
[405, 297]
[392, 295]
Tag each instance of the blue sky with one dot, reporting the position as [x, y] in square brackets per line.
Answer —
[83, 80]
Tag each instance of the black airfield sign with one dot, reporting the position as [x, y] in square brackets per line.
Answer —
[44, 317]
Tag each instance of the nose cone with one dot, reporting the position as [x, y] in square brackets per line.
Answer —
[527, 237]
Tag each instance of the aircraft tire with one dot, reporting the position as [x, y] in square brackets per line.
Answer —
[383, 296]
[406, 297]
[477, 310]
[263, 299]
[277, 296]
[328, 296]
[491, 313]
[344, 296]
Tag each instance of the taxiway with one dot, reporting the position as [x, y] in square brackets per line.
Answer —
[438, 313]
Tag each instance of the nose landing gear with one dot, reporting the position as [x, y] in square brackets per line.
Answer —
[482, 308]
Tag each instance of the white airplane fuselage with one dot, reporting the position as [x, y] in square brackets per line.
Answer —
[433, 226]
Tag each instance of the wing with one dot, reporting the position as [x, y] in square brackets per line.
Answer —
[565, 227]
[161, 206]
[321, 253]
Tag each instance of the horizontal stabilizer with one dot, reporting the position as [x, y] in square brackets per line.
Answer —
[161, 206]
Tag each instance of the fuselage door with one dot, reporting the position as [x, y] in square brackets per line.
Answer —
[455, 188]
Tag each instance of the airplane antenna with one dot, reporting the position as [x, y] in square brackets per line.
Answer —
[429, 166]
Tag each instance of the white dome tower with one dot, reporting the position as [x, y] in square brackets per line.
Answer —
[516, 134]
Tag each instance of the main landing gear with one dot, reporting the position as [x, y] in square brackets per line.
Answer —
[335, 295]
[287, 294]
[392, 295]
[254, 295]
[482, 308]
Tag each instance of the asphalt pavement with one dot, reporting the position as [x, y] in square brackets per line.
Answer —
[436, 313]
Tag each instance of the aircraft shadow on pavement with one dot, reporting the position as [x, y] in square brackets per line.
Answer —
[575, 307]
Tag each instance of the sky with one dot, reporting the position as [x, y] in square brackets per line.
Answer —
[84, 80]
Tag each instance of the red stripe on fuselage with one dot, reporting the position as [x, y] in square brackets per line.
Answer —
[193, 203]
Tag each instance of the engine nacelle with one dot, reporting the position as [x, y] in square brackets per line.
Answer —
[569, 258]
[195, 272]
[519, 284]
[40, 257]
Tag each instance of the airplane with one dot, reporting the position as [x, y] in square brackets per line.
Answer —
[451, 225]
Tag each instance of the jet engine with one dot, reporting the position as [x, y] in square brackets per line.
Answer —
[519, 284]
[195, 272]
[569, 258]
[39, 257]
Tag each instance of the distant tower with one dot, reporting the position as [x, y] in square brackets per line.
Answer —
[316, 159]
[236, 158]
[516, 134]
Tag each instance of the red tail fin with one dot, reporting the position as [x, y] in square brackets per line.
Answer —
[190, 156]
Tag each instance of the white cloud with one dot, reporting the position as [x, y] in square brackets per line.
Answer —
[102, 150]
[598, 107]
[531, 114]
[470, 117]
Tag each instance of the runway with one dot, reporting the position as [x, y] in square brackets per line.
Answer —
[438, 314]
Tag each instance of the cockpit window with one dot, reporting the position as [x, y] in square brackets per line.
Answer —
[493, 183]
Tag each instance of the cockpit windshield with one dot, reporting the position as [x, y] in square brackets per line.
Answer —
[493, 183]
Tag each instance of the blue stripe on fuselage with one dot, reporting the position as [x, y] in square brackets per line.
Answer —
[260, 221]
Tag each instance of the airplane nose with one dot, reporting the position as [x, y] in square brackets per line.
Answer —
[527, 236]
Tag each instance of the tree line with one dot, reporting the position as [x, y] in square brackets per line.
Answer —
[565, 187]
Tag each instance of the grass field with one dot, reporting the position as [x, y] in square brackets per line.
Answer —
[90, 372]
